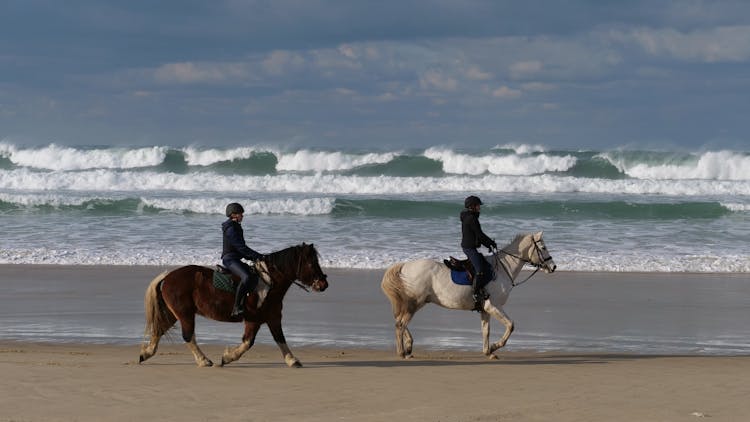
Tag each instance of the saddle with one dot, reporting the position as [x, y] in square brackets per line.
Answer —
[222, 269]
[224, 280]
[462, 265]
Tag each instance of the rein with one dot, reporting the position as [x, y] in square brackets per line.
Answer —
[296, 274]
[524, 260]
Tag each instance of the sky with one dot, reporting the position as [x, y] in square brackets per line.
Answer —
[379, 74]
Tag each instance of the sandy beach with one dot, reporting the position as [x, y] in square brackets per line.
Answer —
[96, 382]
[80, 376]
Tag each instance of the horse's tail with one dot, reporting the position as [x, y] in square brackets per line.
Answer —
[393, 287]
[159, 319]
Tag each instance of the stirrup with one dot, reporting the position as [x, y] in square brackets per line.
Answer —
[479, 297]
[478, 305]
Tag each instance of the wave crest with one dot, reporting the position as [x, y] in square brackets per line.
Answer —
[712, 165]
[53, 157]
[321, 161]
[513, 165]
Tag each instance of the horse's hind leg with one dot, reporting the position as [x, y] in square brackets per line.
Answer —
[404, 340]
[148, 350]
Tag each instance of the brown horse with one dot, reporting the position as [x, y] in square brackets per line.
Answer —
[182, 293]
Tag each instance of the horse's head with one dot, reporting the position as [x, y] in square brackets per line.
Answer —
[536, 253]
[309, 272]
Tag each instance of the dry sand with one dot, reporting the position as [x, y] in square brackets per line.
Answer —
[84, 382]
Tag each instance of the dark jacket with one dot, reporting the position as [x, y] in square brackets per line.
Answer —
[472, 235]
[234, 243]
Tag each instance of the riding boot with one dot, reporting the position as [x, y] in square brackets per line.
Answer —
[239, 301]
[477, 292]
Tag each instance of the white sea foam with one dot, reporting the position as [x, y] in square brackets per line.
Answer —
[201, 205]
[319, 161]
[43, 198]
[305, 206]
[6, 149]
[522, 148]
[331, 184]
[370, 259]
[515, 165]
[53, 157]
[205, 157]
[713, 165]
[736, 207]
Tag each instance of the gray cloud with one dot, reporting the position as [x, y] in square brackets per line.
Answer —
[331, 72]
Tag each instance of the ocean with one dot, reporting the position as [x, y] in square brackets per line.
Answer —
[608, 210]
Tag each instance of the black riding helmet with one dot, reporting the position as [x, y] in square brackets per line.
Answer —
[472, 201]
[234, 208]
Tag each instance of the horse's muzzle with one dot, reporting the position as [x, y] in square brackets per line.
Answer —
[320, 284]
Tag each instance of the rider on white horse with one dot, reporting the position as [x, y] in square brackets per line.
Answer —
[473, 237]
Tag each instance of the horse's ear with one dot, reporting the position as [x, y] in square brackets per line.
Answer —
[539, 234]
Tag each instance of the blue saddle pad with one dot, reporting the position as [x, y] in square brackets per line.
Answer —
[460, 277]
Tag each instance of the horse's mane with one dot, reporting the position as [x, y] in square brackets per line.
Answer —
[517, 238]
[288, 257]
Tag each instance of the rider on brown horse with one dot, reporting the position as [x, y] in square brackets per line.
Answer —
[472, 237]
[234, 249]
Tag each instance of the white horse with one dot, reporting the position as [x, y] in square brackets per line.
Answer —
[410, 285]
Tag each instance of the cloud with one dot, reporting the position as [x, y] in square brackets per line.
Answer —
[278, 62]
[474, 73]
[190, 73]
[721, 44]
[433, 79]
[348, 51]
[505, 92]
[538, 86]
[525, 68]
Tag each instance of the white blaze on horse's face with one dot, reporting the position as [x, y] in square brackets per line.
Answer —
[540, 255]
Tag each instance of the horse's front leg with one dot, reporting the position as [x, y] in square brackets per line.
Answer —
[485, 333]
[188, 334]
[231, 354]
[274, 325]
[500, 315]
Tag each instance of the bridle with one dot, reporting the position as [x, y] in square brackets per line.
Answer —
[296, 274]
[542, 262]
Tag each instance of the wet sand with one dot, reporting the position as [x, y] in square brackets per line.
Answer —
[357, 377]
[642, 313]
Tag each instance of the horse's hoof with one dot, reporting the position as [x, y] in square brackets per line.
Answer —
[409, 357]
[141, 359]
[493, 357]
[207, 363]
[296, 364]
